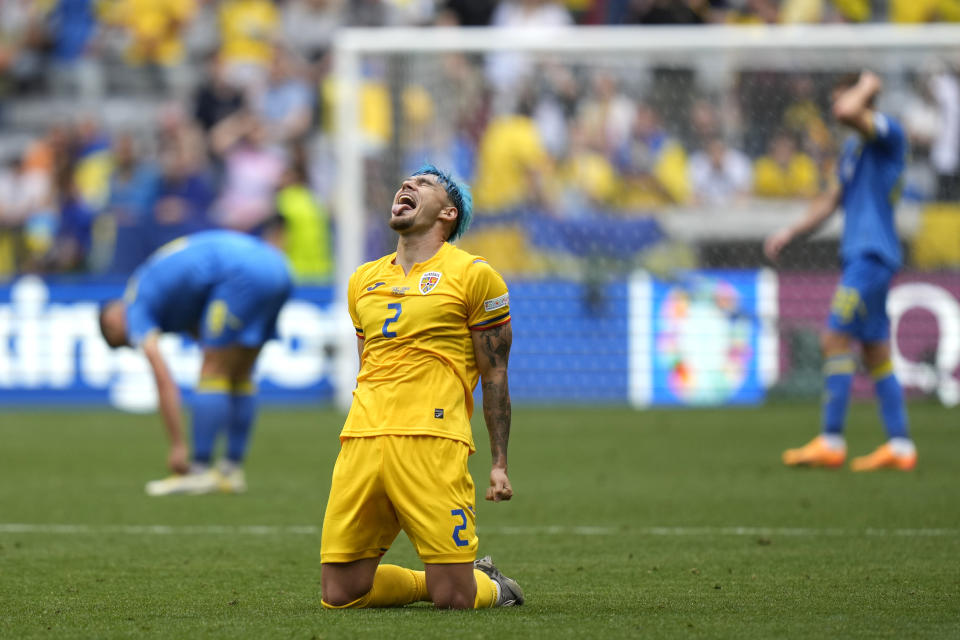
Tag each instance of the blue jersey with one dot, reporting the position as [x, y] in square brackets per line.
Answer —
[870, 174]
[223, 286]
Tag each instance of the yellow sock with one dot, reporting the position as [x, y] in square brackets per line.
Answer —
[393, 586]
[486, 591]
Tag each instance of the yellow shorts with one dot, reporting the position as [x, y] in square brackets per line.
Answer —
[383, 484]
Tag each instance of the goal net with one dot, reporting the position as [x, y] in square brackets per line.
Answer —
[624, 180]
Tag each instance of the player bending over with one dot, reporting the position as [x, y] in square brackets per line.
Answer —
[870, 172]
[226, 288]
[430, 320]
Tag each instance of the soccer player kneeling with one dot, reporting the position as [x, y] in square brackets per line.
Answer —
[430, 320]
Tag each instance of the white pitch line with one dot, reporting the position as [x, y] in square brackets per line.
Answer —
[796, 532]
[555, 530]
[159, 530]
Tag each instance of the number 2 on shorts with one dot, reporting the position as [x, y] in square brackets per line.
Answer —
[460, 542]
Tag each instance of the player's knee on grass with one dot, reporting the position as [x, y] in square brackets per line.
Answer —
[451, 586]
[335, 603]
[338, 597]
[345, 584]
[452, 600]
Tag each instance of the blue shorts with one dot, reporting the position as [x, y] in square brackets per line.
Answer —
[243, 308]
[859, 306]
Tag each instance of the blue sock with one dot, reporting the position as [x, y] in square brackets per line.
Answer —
[890, 395]
[244, 412]
[838, 378]
[211, 414]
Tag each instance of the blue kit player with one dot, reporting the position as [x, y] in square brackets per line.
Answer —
[870, 171]
[226, 289]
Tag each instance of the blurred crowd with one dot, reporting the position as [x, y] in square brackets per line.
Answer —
[240, 133]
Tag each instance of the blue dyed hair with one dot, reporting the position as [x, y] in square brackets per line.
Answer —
[459, 194]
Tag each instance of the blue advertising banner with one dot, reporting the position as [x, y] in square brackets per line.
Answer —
[703, 338]
[51, 352]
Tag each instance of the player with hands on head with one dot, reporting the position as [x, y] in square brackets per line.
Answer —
[431, 320]
[869, 177]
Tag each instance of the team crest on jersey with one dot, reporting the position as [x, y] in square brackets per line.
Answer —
[428, 281]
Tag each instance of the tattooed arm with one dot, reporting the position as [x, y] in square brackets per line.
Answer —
[492, 350]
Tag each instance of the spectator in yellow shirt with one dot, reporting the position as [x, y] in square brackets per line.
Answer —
[587, 179]
[512, 170]
[248, 31]
[375, 116]
[511, 162]
[652, 163]
[914, 11]
[155, 28]
[785, 172]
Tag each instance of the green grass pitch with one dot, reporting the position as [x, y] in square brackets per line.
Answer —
[654, 524]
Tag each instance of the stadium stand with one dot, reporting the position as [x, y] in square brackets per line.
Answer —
[84, 76]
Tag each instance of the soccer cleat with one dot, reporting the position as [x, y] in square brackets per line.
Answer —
[815, 453]
[190, 484]
[511, 595]
[231, 479]
[884, 457]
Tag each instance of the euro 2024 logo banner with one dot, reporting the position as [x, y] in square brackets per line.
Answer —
[706, 339]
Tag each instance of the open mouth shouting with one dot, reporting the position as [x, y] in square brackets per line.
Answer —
[405, 202]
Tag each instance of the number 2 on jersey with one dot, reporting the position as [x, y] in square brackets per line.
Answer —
[386, 323]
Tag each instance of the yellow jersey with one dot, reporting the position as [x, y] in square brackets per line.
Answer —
[798, 179]
[247, 30]
[155, 28]
[418, 369]
[510, 148]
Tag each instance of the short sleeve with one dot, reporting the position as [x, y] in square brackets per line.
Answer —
[888, 134]
[140, 322]
[488, 301]
[352, 304]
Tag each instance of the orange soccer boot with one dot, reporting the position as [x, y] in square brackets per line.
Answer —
[816, 453]
[885, 457]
